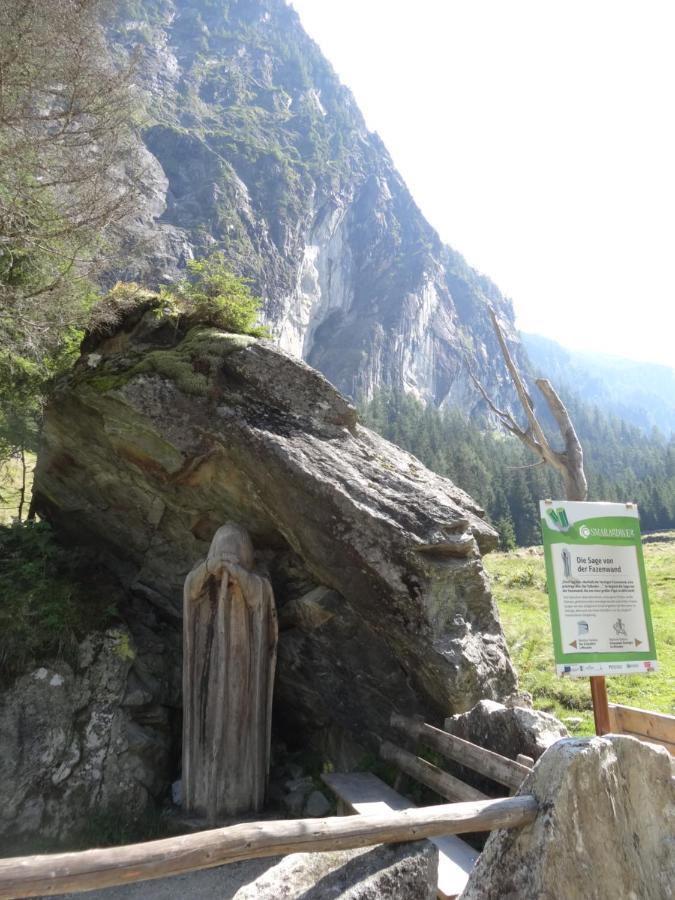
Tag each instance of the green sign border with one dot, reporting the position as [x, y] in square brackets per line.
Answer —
[573, 537]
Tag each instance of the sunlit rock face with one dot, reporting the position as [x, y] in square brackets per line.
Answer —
[159, 436]
[255, 148]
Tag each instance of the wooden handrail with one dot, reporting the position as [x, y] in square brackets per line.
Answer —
[443, 783]
[493, 765]
[31, 876]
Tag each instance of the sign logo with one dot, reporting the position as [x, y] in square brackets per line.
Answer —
[585, 531]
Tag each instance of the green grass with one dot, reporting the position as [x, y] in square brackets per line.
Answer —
[519, 585]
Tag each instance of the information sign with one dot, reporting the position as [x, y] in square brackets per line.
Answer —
[597, 589]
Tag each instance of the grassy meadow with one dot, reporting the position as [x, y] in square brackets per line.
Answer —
[519, 585]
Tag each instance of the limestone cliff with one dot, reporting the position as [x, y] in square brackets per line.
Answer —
[254, 147]
[159, 436]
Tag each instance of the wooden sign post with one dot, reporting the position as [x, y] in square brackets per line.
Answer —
[600, 704]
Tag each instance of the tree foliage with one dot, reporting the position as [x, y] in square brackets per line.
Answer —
[44, 609]
[497, 470]
[211, 294]
[67, 174]
[66, 165]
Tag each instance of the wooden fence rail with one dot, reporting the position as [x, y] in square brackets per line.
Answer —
[444, 784]
[31, 876]
[659, 728]
[495, 766]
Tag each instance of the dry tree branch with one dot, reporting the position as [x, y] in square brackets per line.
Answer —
[568, 462]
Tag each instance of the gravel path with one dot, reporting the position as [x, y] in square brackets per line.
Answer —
[209, 884]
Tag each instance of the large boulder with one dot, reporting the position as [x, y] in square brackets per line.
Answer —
[162, 434]
[507, 729]
[397, 871]
[604, 830]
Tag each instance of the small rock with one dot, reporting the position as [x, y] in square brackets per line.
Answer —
[86, 653]
[395, 871]
[56, 680]
[508, 730]
[573, 721]
[299, 784]
[317, 805]
[295, 802]
[519, 698]
[137, 697]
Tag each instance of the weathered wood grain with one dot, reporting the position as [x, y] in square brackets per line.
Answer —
[658, 728]
[229, 657]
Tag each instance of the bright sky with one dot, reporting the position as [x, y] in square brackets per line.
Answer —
[538, 137]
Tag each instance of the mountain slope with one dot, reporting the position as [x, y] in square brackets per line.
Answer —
[641, 393]
[255, 148]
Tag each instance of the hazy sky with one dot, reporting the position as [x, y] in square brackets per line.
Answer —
[538, 137]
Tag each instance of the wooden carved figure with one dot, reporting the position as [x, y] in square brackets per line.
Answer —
[229, 656]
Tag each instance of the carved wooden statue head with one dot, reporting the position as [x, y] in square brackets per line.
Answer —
[231, 543]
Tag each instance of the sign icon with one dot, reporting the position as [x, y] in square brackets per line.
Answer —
[619, 628]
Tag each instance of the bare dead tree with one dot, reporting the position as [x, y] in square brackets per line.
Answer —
[568, 462]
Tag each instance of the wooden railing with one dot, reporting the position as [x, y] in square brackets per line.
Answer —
[486, 762]
[658, 728]
[33, 876]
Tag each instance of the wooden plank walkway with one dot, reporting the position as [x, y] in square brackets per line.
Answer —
[367, 795]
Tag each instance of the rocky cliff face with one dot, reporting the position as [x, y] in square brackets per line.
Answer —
[93, 739]
[159, 436]
[255, 148]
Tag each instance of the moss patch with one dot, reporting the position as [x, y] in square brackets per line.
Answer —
[177, 367]
[191, 365]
